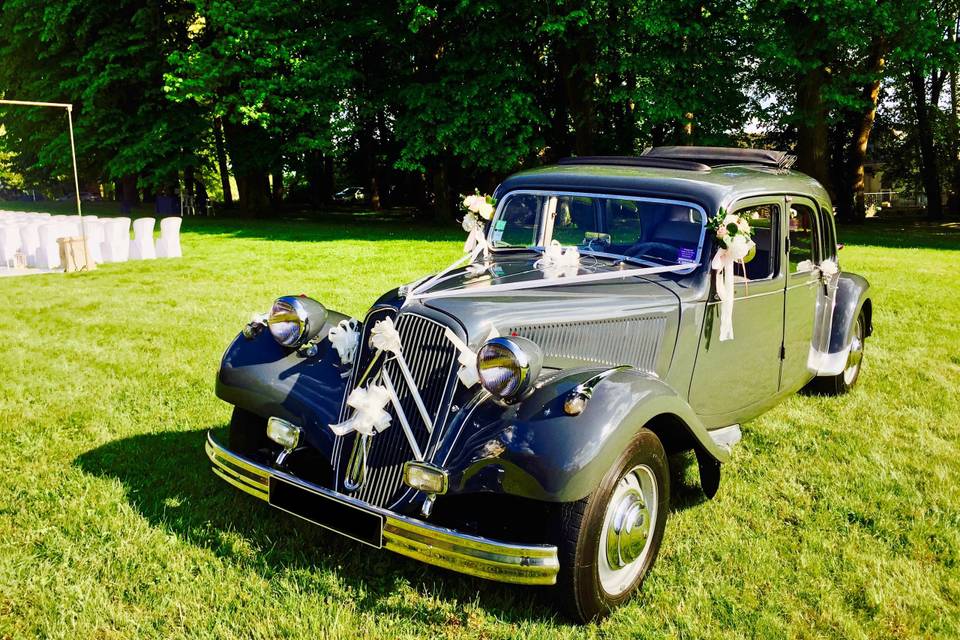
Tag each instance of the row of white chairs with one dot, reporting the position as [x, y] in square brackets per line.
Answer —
[108, 239]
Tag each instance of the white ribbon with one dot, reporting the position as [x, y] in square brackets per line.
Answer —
[735, 250]
[558, 261]
[369, 416]
[498, 289]
[468, 360]
[407, 431]
[476, 237]
[345, 337]
[385, 337]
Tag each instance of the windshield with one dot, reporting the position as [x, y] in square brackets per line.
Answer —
[647, 230]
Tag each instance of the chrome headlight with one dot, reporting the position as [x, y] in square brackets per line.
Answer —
[508, 366]
[294, 320]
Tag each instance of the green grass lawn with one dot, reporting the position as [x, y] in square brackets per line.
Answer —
[835, 518]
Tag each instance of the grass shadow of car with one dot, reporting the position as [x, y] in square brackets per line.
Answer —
[168, 481]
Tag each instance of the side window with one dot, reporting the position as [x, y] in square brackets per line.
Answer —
[804, 239]
[829, 248]
[763, 224]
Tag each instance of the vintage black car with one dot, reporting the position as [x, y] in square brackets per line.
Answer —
[512, 416]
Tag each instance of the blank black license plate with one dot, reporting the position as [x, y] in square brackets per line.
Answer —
[354, 522]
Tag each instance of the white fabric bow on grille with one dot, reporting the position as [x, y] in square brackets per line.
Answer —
[558, 261]
[345, 337]
[369, 416]
[734, 251]
[385, 337]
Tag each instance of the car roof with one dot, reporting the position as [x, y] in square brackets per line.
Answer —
[709, 186]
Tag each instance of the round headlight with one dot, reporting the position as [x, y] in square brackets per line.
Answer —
[508, 366]
[295, 320]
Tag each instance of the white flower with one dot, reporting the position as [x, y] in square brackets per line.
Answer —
[470, 222]
[731, 218]
[743, 225]
[485, 210]
[740, 246]
[474, 202]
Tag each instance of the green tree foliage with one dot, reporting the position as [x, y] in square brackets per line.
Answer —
[109, 60]
[419, 100]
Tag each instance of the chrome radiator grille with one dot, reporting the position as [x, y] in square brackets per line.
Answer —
[432, 360]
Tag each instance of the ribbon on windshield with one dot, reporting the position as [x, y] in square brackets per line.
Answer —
[558, 261]
[499, 289]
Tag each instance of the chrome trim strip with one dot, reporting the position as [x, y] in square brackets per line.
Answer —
[465, 553]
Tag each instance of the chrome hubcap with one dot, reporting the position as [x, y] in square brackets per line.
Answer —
[856, 355]
[627, 527]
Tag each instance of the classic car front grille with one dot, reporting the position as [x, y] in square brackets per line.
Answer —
[432, 359]
[633, 341]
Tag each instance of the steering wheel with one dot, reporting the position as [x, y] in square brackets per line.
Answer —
[662, 249]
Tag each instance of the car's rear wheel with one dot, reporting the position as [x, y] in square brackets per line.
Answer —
[608, 541]
[844, 382]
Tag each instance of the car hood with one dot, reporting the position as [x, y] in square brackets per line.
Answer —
[630, 321]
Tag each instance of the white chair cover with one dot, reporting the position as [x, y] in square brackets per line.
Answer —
[9, 243]
[94, 230]
[141, 247]
[115, 246]
[168, 244]
[30, 242]
[48, 256]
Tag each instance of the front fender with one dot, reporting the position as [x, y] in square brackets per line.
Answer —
[267, 379]
[535, 450]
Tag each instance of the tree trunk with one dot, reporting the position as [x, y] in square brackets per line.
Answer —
[857, 154]
[929, 171]
[222, 162]
[443, 200]
[129, 196]
[276, 193]
[953, 203]
[812, 157]
[579, 93]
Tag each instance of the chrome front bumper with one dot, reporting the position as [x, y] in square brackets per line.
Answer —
[473, 555]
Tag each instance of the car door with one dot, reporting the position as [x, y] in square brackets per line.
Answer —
[732, 377]
[804, 292]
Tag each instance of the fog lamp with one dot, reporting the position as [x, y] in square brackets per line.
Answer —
[285, 434]
[425, 477]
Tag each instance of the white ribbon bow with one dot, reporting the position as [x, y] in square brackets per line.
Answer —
[385, 337]
[828, 269]
[558, 261]
[345, 337]
[735, 250]
[369, 416]
[476, 238]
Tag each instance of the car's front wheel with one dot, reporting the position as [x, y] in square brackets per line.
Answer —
[608, 541]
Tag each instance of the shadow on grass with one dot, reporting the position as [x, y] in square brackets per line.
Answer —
[168, 480]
